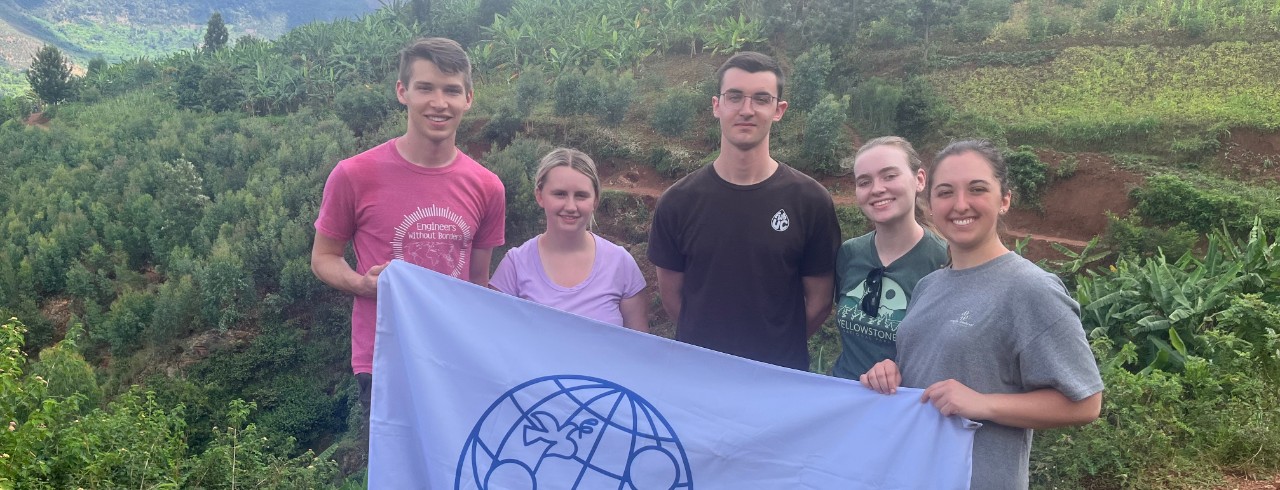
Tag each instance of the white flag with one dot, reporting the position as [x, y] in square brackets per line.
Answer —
[474, 389]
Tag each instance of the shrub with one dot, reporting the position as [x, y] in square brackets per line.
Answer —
[852, 222]
[515, 165]
[128, 316]
[671, 117]
[504, 124]
[567, 93]
[920, 111]
[362, 107]
[1028, 175]
[615, 98]
[1127, 237]
[672, 162]
[530, 90]
[1158, 425]
[809, 78]
[1169, 200]
[825, 141]
[874, 107]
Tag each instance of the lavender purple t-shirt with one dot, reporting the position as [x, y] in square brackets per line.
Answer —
[614, 277]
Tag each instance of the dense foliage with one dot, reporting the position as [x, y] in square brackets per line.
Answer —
[155, 228]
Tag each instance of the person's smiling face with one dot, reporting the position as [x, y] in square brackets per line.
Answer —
[967, 200]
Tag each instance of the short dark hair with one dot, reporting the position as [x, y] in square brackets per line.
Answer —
[446, 54]
[752, 62]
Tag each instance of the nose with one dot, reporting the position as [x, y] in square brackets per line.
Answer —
[436, 99]
[746, 107]
[877, 186]
[962, 202]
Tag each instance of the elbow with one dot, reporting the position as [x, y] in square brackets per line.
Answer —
[1089, 409]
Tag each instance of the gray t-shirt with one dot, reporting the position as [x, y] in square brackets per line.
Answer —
[1005, 326]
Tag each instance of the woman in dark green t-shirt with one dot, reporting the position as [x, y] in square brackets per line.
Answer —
[876, 272]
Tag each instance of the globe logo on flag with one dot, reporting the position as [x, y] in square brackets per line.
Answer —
[572, 432]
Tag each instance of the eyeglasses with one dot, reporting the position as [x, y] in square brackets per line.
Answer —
[871, 296]
[734, 99]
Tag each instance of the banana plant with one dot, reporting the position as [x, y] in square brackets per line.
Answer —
[1161, 306]
[732, 34]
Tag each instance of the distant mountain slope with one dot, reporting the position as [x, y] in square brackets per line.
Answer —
[120, 29]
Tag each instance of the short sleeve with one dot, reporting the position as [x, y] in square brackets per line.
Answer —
[337, 217]
[1058, 356]
[632, 279]
[664, 248]
[494, 221]
[824, 238]
[504, 277]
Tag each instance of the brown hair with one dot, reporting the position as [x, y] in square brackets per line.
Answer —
[446, 54]
[985, 149]
[752, 62]
[913, 163]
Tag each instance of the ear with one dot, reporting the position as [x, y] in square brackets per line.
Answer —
[471, 96]
[400, 91]
[715, 106]
[782, 107]
[920, 181]
[1006, 200]
[537, 197]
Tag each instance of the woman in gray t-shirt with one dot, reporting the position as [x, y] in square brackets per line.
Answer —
[993, 338]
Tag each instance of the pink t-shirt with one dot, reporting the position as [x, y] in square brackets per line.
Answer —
[614, 277]
[392, 209]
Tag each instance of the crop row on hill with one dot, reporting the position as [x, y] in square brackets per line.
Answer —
[1099, 92]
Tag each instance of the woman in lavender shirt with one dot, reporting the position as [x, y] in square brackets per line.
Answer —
[567, 267]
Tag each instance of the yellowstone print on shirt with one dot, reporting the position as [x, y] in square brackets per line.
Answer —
[882, 327]
[436, 238]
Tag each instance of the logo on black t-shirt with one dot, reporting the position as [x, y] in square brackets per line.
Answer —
[781, 221]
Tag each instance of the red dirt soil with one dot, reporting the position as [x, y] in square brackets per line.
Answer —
[1250, 155]
[1075, 207]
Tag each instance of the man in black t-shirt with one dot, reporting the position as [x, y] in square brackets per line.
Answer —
[745, 247]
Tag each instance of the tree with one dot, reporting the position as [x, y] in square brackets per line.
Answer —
[421, 10]
[215, 34]
[50, 75]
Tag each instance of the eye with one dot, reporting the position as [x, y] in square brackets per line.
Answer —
[862, 182]
[733, 97]
[762, 99]
[583, 195]
[454, 91]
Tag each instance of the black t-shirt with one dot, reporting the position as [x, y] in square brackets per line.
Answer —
[743, 251]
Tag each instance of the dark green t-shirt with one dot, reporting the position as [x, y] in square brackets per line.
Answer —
[866, 340]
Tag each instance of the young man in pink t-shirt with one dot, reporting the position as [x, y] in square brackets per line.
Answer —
[416, 198]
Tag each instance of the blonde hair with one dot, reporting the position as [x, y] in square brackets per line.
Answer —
[574, 159]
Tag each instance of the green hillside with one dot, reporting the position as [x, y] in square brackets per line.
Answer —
[155, 228]
[118, 30]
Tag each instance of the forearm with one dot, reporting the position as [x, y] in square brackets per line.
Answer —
[670, 289]
[817, 300]
[1042, 409]
[478, 272]
[635, 312]
[334, 271]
